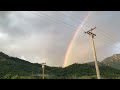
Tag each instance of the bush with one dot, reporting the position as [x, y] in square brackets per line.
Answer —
[8, 76]
[15, 77]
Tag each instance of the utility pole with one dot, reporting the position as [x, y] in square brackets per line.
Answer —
[43, 67]
[32, 75]
[94, 51]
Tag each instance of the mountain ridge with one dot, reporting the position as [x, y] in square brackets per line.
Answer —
[113, 61]
[15, 66]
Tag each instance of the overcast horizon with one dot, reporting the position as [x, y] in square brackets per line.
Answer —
[45, 35]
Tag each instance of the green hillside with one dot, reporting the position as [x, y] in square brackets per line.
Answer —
[15, 68]
[113, 61]
[11, 65]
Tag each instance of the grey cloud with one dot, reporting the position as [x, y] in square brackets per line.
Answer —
[31, 35]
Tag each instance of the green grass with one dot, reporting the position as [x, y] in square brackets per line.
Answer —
[14, 68]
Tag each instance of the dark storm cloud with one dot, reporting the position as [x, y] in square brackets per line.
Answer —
[32, 34]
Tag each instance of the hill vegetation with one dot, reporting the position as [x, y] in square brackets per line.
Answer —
[15, 68]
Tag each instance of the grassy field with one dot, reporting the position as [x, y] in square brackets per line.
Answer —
[8, 76]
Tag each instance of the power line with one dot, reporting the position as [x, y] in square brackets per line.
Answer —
[73, 26]
[64, 22]
[86, 21]
[70, 26]
[81, 38]
[98, 28]
[58, 20]
[73, 19]
[106, 43]
[81, 47]
[92, 35]
[89, 50]
[109, 38]
[68, 17]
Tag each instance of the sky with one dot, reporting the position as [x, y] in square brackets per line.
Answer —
[43, 36]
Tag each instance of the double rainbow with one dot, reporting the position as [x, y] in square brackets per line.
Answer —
[73, 38]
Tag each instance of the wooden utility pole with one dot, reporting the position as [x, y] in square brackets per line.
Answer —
[94, 51]
[43, 67]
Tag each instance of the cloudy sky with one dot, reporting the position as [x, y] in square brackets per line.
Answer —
[43, 36]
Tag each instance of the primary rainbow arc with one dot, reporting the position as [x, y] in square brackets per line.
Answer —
[73, 38]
